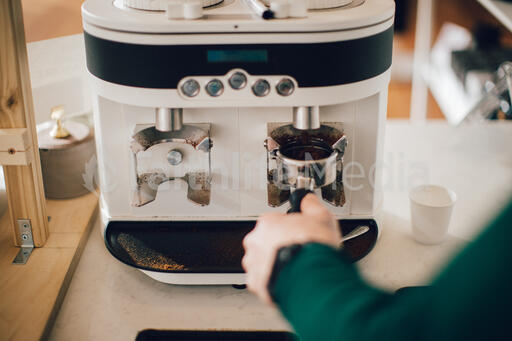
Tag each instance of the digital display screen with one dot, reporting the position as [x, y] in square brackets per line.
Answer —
[237, 56]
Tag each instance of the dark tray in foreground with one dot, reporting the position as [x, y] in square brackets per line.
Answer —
[195, 335]
[202, 246]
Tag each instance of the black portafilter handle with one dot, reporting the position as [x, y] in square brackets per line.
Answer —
[296, 198]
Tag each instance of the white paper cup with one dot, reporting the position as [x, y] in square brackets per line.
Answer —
[431, 210]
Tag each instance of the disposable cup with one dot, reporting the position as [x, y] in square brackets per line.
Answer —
[431, 210]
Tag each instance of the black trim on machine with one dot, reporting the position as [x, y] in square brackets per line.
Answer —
[311, 64]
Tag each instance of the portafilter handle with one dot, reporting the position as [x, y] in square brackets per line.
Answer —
[296, 198]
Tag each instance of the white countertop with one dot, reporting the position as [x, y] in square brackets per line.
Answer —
[111, 301]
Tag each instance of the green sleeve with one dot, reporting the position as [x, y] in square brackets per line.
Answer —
[324, 298]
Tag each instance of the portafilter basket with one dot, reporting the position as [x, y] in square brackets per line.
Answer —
[305, 166]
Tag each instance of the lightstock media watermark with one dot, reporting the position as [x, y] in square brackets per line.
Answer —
[248, 172]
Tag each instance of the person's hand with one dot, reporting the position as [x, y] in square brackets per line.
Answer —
[276, 230]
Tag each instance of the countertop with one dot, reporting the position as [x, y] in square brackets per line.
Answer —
[111, 301]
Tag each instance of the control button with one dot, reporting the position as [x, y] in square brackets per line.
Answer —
[238, 80]
[190, 88]
[285, 87]
[261, 88]
[214, 88]
[174, 157]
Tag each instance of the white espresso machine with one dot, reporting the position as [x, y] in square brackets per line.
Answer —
[207, 115]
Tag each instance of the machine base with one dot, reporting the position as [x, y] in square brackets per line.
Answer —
[202, 252]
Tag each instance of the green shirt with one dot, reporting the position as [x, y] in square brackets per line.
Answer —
[324, 298]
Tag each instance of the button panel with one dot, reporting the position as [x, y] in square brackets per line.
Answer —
[233, 87]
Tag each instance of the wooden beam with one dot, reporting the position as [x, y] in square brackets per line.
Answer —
[24, 184]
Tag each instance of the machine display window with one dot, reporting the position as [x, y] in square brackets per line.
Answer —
[237, 56]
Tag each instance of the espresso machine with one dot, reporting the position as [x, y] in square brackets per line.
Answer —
[208, 115]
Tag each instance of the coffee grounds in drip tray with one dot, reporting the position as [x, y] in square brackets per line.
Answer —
[185, 252]
[146, 257]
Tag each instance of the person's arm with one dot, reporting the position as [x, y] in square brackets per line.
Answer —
[324, 298]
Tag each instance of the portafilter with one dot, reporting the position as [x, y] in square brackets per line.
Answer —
[305, 166]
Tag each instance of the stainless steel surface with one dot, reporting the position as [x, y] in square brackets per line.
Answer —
[309, 173]
[175, 157]
[190, 88]
[147, 188]
[214, 88]
[341, 145]
[334, 194]
[27, 242]
[261, 88]
[285, 87]
[303, 182]
[306, 118]
[199, 187]
[205, 145]
[238, 80]
[168, 119]
[198, 181]
[196, 134]
[358, 231]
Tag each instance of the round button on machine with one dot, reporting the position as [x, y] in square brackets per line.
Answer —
[214, 88]
[261, 88]
[190, 88]
[237, 80]
[285, 87]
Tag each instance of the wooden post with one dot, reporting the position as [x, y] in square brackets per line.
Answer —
[24, 183]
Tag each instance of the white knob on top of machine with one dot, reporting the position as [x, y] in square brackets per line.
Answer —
[161, 5]
[192, 9]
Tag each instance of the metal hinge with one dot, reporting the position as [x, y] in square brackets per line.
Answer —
[27, 242]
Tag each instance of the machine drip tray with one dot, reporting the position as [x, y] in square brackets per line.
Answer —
[202, 246]
[198, 335]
